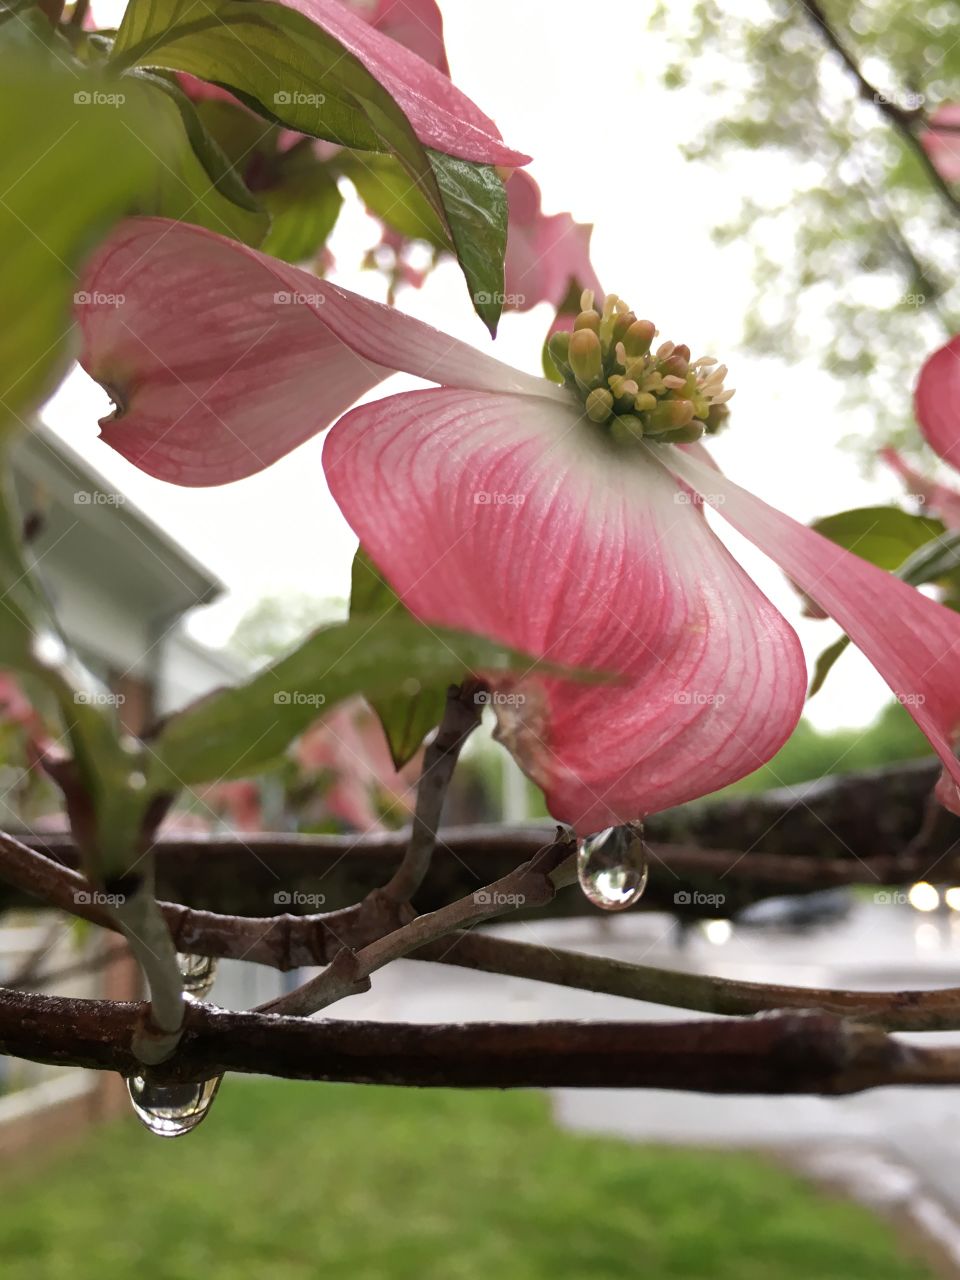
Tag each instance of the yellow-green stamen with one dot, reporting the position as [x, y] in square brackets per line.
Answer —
[631, 391]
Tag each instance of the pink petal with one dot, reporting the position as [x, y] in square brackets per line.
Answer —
[939, 499]
[936, 401]
[238, 802]
[912, 641]
[546, 256]
[416, 24]
[942, 144]
[583, 558]
[348, 747]
[442, 117]
[222, 360]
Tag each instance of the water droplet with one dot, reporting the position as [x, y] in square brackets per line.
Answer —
[170, 1110]
[198, 973]
[612, 866]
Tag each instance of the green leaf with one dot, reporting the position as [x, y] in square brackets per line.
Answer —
[21, 602]
[103, 766]
[279, 62]
[936, 561]
[238, 134]
[476, 207]
[883, 535]
[291, 71]
[232, 733]
[824, 662]
[385, 189]
[304, 204]
[195, 181]
[408, 716]
[71, 163]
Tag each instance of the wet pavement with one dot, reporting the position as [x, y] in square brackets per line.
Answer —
[893, 1148]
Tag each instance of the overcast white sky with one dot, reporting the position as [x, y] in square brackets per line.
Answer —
[576, 87]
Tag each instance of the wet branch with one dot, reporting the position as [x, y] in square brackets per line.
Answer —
[788, 1054]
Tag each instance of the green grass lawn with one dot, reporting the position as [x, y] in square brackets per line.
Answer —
[287, 1181]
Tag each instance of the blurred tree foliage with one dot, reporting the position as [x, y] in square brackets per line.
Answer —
[809, 753]
[275, 624]
[856, 250]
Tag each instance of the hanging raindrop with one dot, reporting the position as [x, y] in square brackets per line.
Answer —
[612, 866]
[170, 1110]
[198, 973]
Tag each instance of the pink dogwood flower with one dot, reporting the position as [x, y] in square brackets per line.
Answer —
[942, 141]
[416, 24]
[936, 498]
[347, 746]
[548, 256]
[563, 520]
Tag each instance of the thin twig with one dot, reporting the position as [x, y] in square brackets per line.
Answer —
[461, 716]
[529, 885]
[911, 1010]
[901, 120]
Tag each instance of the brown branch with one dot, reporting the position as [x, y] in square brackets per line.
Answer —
[937, 1010]
[793, 1053]
[845, 830]
[288, 941]
[460, 717]
[350, 971]
[901, 120]
[375, 931]
[282, 941]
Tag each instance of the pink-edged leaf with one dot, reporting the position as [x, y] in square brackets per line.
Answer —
[912, 641]
[937, 401]
[301, 71]
[442, 116]
[548, 256]
[221, 360]
[501, 515]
